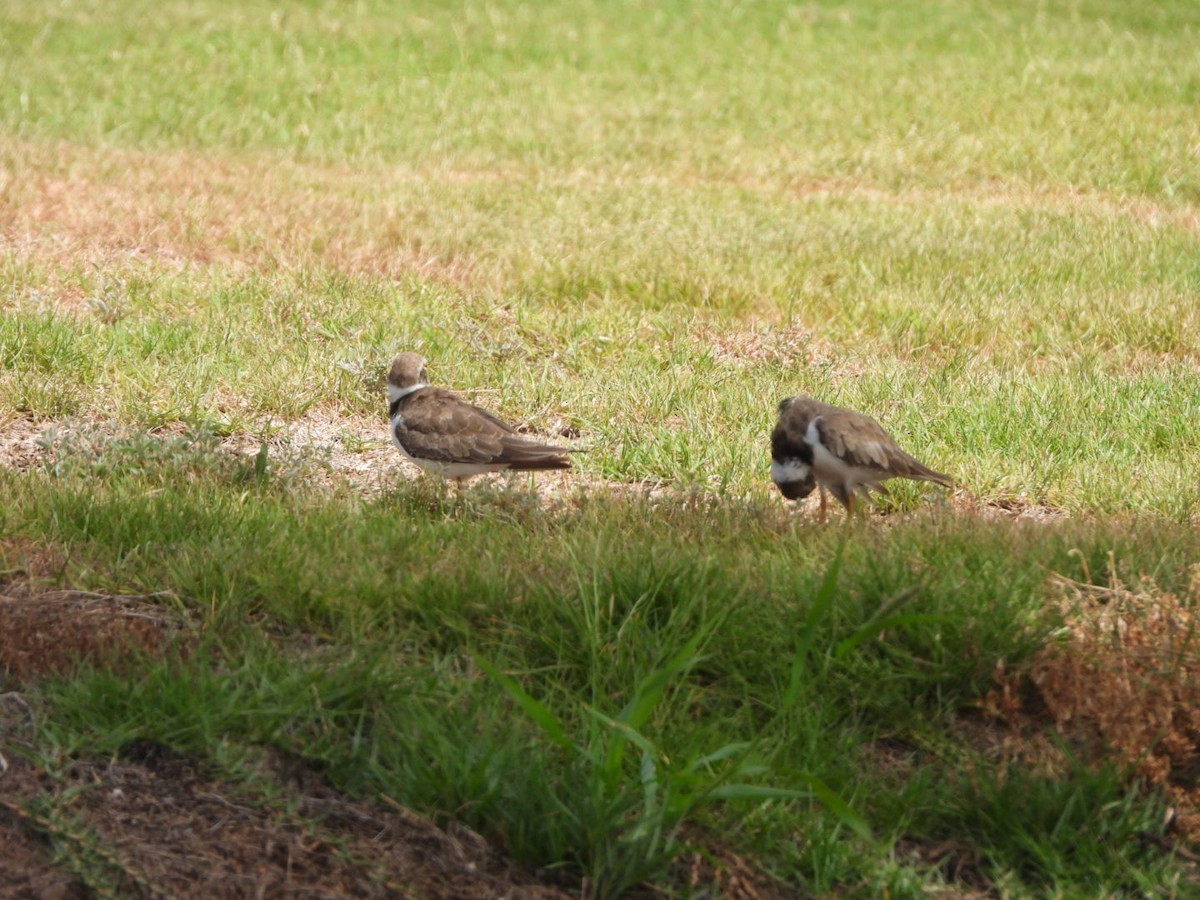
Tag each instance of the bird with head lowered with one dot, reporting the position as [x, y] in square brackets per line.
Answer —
[845, 452]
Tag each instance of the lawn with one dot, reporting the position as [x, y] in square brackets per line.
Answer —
[634, 228]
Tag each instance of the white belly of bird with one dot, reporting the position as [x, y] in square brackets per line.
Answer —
[830, 469]
[458, 469]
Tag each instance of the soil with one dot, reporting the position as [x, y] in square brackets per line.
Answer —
[155, 823]
[325, 448]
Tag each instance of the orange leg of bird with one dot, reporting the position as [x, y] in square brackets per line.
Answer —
[821, 516]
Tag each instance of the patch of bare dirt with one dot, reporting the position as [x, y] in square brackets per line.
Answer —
[27, 871]
[320, 448]
[326, 448]
[155, 824]
[21, 443]
[1007, 509]
[790, 344]
[355, 449]
[958, 502]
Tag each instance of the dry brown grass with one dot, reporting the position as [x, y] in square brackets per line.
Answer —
[70, 204]
[992, 193]
[49, 632]
[779, 343]
[715, 870]
[1122, 685]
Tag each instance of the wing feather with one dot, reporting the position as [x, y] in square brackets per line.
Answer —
[861, 441]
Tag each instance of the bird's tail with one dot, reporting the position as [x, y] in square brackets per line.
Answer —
[922, 472]
[528, 455]
[534, 463]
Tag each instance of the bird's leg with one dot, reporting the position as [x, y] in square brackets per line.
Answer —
[869, 491]
[821, 516]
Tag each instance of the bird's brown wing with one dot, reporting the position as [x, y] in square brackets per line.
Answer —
[520, 452]
[437, 425]
[861, 441]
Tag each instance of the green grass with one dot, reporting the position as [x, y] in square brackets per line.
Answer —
[793, 666]
[1069, 433]
[1090, 95]
[645, 225]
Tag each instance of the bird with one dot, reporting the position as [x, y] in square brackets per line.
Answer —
[447, 436]
[815, 445]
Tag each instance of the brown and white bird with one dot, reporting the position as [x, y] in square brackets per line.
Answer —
[448, 436]
[818, 445]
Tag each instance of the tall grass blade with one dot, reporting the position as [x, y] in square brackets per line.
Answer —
[638, 710]
[876, 626]
[534, 708]
[812, 624]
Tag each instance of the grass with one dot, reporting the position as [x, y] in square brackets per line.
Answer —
[641, 226]
[677, 407]
[747, 644]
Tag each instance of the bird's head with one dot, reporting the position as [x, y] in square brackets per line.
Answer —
[798, 489]
[407, 375]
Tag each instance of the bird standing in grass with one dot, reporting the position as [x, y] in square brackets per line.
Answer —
[840, 450]
[448, 436]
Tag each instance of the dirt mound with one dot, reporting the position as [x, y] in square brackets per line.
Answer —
[47, 632]
[156, 824]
